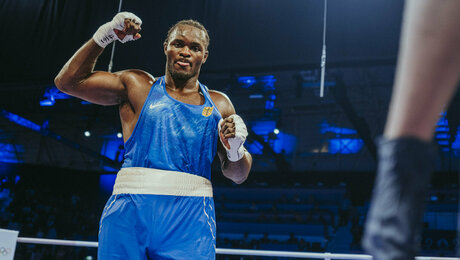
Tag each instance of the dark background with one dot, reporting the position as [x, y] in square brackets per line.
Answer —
[325, 146]
[278, 40]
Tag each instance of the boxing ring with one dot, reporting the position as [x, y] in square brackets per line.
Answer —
[228, 251]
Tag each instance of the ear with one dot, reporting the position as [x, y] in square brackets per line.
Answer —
[165, 47]
[206, 53]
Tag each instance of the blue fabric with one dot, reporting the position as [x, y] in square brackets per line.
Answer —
[141, 226]
[171, 135]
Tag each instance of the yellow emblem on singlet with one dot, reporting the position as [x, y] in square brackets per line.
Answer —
[207, 111]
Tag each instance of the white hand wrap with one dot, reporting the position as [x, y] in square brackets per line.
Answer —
[106, 34]
[236, 151]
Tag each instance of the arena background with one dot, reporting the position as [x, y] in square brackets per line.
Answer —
[314, 158]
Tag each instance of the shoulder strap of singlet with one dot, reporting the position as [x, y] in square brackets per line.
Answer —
[205, 91]
[160, 80]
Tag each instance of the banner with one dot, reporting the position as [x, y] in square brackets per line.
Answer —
[8, 239]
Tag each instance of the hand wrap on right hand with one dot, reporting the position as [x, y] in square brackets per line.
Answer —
[106, 34]
[236, 150]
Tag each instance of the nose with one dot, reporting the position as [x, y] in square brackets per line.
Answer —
[185, 51]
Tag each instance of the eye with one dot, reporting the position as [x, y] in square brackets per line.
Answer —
[178, 44]
[196, 48]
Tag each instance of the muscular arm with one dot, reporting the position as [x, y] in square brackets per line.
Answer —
[78, 79]
[236, 171]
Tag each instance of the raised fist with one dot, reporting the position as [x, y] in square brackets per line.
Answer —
[125, 26]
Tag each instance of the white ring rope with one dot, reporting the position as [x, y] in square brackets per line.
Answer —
[227, 251]
[57, 242]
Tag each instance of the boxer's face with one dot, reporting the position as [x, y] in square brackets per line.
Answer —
[185, 52]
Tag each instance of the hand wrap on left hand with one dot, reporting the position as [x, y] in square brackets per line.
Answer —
[111, 31]
[234, 145]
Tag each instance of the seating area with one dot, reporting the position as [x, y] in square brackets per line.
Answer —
[311, 218]
[318, 219]
[300, 219]
[39, 205]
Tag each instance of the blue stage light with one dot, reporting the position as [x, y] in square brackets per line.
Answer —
[106, 182]
[9, 153]
[456, 143]
[256, 96]
[268, 82]
[327, 128]
[254, 147]
[247, 81]
[269, 105]
[113, 148]
[345, 145]
[442, 136]
[283, 143]
[51, 94]
[20, 120]
[47, 103]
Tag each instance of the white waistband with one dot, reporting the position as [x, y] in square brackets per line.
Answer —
[138, 180]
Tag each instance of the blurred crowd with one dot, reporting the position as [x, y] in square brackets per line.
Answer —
[41, 208]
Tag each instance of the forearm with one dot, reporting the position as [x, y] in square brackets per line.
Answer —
[428, 67]
[237, 171]
[79, 66]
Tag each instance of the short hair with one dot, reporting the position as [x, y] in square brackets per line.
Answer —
[189, 22]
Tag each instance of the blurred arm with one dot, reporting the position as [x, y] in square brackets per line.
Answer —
[428, 67]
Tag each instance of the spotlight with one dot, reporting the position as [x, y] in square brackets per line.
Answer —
[119, 135]
[87, 134]
[276, 131]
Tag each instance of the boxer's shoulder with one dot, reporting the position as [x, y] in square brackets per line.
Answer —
[223, 103]
[135, 78]
[137, 84]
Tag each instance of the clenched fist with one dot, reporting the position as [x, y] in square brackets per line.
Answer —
[233, 133]
[125, 26]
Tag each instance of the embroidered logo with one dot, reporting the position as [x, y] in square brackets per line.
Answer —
[207, 111]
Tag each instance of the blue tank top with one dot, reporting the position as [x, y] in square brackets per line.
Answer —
[172, 135]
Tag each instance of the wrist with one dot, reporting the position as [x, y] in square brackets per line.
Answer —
[235, 155]
[104, 35]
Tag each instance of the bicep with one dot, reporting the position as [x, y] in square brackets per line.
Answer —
[102, 88]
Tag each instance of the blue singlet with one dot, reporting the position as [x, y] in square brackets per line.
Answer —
[175, 136]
